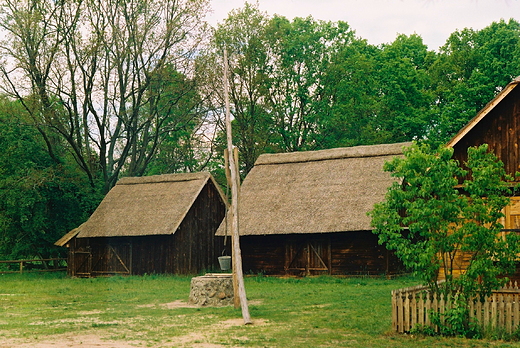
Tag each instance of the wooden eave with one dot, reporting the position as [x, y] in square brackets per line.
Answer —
[483, 113]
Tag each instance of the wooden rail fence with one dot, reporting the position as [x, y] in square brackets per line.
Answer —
[22, 263]
[412, 307]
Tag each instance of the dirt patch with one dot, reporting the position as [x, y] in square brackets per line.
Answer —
[68, 340]
[178, 304]
[90, 312]
[240, 321]
[92, 340]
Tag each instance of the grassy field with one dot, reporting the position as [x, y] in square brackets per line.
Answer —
[51, 310]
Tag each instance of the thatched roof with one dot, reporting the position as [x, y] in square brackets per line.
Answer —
[315, 191]
[484, 112]
[67, 237]
[152, 205]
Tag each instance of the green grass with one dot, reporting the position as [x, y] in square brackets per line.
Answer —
[307, 312]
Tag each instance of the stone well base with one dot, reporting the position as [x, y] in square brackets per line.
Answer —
[212, 289]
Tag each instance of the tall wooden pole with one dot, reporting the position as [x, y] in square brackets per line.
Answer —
[235, 186]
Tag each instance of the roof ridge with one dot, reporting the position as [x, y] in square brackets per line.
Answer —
[332, 154]
[152, 179]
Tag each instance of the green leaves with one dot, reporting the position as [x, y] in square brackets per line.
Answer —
[40, 200]
[437, 226]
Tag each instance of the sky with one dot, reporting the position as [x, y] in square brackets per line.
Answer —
[380, 21]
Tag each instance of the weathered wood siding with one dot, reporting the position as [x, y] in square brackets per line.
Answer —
[344, 253]
[500, 129]
[195, 247]
[192, 249]
[360, 253]
[263, 254]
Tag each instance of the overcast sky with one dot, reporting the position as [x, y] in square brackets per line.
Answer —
[379, 21]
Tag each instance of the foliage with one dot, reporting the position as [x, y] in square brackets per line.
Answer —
[117, 88]
[174, 97]
[302, 52]
[243, 36]
[444, 223]
[405, 96]
[90, 66]
[431, 223]
[40, 200]
[470, 69]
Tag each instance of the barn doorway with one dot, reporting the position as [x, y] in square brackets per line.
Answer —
[110, 259]
[81, 262]
[307, 256]
[102, 259]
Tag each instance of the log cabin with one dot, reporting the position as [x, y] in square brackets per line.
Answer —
[146, 225]
[305, 213]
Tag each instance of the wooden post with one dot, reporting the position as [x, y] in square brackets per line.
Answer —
[235, 186]
[229, 231]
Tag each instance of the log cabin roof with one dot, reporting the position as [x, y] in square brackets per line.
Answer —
[484, 112]
[142, 206]
[314, 191]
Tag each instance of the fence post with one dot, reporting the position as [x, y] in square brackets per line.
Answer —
[21, 267]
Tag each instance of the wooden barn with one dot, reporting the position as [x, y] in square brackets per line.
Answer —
[498, 125]
[154, 224]
[306, 212]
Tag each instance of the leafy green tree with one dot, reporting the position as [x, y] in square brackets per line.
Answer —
[301, 53]
[403, 110]
[351, 91]
[471, 68]
[243, 35]
[430, 221]
[40, 199]
[178, 134]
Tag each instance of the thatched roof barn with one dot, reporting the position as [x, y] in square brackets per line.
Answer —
[155, 224]
[306, 212]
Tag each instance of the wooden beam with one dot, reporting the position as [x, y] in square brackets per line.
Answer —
[235, 186]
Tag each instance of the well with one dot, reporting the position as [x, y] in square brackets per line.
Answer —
[212, 289]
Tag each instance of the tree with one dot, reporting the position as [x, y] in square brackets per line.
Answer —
[90, 66]
[430, 222]
[243, 35]
[404, 97]
[40, 200]
[180, 136]
[351, 89]
[471, 68]
[301, 53]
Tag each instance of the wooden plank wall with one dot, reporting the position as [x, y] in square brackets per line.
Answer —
[360, 253]
[263, 254]
[195, 247]
[500, 129]
[353, 253]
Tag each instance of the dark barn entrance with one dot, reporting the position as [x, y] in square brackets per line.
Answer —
[307, 257]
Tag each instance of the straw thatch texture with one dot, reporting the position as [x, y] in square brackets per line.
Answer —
[67, 237]
[153, 205]
[314, 192]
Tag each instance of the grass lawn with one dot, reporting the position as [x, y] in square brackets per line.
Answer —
[51, 310]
